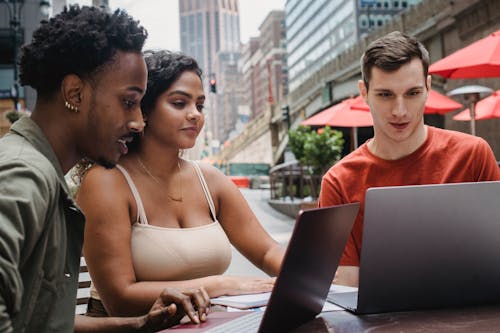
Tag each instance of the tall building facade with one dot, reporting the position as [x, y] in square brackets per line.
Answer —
[250, 68]
[264, 65]
[229, 93]
[318, 30]
[210, 31]
[18, 20]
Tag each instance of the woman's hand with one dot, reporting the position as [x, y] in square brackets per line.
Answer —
[238, 285]
[172, 305]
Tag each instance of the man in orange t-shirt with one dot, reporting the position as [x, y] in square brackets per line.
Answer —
[395, 84]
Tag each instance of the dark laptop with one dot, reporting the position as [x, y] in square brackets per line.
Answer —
[307, 271]
[428, 246]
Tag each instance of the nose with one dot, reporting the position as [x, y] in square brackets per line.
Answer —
[137, 124]
[194, 114]
[399, 108]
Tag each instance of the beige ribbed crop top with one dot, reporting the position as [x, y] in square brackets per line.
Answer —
[172, 254]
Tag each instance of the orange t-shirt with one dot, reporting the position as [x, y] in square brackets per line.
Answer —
[444, 157]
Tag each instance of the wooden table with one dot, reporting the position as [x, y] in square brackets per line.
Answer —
[470, 320]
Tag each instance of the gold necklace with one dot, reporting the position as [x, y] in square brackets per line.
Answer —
[178, 199]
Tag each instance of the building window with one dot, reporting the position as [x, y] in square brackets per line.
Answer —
[396, 4]
[363, 21]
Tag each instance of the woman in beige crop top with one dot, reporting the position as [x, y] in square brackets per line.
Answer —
[161, 221]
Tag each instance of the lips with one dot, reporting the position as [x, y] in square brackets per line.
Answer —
[193, 129]
[399, 126]
[123, 144]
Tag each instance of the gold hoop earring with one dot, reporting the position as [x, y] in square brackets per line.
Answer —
[70, 107]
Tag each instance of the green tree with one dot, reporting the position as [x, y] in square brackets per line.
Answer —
[317, 150]
[297, 139]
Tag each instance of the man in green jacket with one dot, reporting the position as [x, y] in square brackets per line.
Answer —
[89, 74]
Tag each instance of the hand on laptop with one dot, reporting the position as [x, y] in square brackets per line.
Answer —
[238, 285]
[173, 304]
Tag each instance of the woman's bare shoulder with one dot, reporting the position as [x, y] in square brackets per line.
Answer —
[212, 174]
[101, 181]
[216, 180]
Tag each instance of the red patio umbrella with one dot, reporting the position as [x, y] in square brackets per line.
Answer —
[342, 115]
[487, 108]
[436, 104]
[479, 59]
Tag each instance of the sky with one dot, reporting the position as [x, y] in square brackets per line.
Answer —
[161, 18]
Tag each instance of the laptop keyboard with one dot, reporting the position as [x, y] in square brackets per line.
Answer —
[244, 324]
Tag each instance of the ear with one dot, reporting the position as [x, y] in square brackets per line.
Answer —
[429, 82]
[72, 89]
[362, 89]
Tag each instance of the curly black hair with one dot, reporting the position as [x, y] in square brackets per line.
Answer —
[164, 68]
[79, 40]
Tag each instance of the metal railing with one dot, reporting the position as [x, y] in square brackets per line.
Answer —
[293, 181]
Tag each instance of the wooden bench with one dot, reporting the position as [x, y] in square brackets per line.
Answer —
[83, 292]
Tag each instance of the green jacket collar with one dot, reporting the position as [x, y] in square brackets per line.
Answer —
[30, 131]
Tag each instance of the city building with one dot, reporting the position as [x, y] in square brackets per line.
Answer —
[252, 83]
[210, 31]
[264, 65]
[265, 83]
[319, 30]
[229, 94]
[18, 20]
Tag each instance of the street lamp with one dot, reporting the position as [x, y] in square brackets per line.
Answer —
[472, 94]
[15, 8]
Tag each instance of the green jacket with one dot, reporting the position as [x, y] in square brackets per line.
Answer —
[41, 235]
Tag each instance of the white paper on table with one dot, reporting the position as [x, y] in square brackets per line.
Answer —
[331, 307]
[259, 301]
[246, 301]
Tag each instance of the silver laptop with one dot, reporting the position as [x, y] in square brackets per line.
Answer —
[428, 246]
[313, 253]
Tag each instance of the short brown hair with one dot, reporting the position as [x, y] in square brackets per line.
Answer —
[392, 51]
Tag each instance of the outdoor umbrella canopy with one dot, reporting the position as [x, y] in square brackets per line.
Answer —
[487, 108]
[479, 59]
[436, 104]
[342, 115]
[440, 104]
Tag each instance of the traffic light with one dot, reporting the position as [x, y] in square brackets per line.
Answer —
[213, 86]
[285, 112]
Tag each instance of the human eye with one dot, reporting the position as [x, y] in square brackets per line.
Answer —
[200, 107]
[384, 94]
[130, 103]
[179, 104]
[412, 93]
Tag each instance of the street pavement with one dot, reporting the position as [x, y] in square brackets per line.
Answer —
[278, 225]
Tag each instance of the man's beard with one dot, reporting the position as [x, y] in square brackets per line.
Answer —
[105, 163]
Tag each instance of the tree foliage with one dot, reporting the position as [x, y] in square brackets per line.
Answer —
[317, 150]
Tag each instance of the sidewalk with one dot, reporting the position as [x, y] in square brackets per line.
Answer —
[278, 225]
